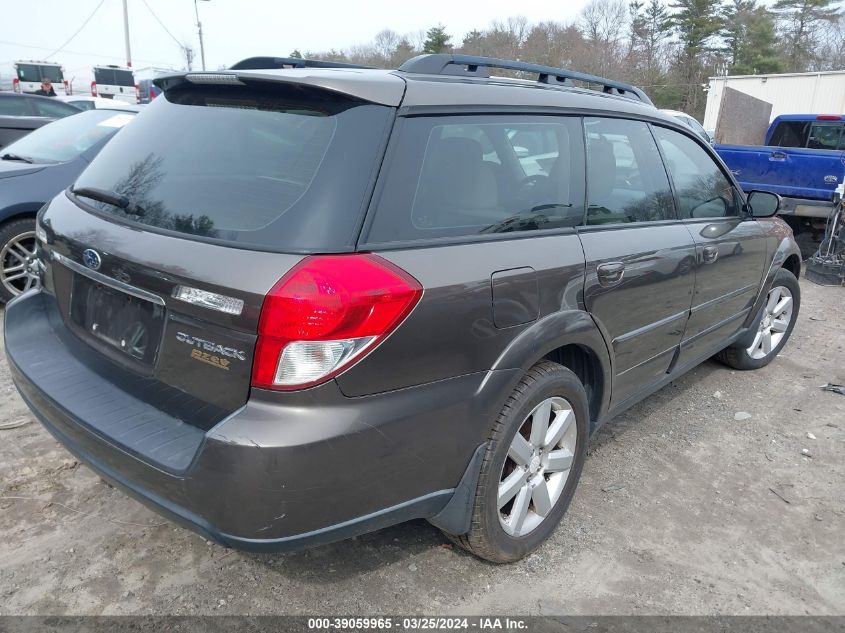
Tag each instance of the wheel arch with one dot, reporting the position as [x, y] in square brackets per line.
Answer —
[19, 211]
[793, 264]
[572, 339]
[786, 255]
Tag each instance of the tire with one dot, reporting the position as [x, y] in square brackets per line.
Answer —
[752, 352]
[489, 536]
[15, 235]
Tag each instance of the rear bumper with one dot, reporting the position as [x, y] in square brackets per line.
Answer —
[287, 470]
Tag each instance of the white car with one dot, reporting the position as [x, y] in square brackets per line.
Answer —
[86, 102]
[690, 122]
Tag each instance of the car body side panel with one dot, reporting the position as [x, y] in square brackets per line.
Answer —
[452, 331]
[28, 192]
[730, 256]
[780, 245]
[787, 171]
[643, 315]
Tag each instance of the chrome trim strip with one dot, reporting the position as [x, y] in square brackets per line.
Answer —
[733, 293]
[627, 336]
[107, 281]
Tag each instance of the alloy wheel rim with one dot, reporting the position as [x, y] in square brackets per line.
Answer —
[777, 315]
[18, 264]
[537, 467]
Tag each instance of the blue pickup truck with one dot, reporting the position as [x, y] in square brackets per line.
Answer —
[803, 160]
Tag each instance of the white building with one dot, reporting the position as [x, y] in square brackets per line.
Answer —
[789, 93]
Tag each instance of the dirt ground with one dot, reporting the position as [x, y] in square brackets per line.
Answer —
[684, 507]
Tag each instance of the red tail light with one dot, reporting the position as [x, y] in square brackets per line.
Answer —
[16, 84]
[325, 314]
[137, 93]
[93, 88]
[68, 89]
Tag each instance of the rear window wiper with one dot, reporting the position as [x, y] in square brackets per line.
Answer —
[23, 159]
[109, 197]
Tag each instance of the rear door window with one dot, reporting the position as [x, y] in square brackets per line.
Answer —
[275, 167]
[54, 109]
[626, 180]
[475, 175]
[15, 106]
[790, 134]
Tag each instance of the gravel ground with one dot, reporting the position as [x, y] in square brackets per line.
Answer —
[684, 507]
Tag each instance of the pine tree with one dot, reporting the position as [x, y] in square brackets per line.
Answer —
[750, 39]
[696, 22]
[436, 40]
[651, 24]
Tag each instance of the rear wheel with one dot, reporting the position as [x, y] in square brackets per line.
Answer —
[531, 466]
[773, 328]
[18, 267]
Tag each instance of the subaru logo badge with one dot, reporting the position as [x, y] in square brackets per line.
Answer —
[91, 259]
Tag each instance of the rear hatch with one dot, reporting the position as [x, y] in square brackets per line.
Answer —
[161, 254]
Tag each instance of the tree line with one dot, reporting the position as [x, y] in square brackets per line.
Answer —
[667, 48]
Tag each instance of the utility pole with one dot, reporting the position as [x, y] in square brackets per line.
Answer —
[199, 31]
[126, 34]
[189, 55]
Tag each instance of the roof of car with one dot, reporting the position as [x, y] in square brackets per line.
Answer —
[25, 95]
[449, 87]
[392, 88]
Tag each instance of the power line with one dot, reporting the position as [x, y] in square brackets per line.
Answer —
[67, 52]
[161, 24]
[75, 33]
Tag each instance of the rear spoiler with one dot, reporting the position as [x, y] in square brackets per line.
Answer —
[263, 63]
[382, 88]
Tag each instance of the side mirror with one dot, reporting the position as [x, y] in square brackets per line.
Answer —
[762, 204]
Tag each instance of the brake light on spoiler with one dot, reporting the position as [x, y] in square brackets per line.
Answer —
[326, 314]
[828, 117]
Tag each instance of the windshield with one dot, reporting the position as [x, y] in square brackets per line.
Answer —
[39, 72]
[280, 168]
[67, 138]
[113, 77]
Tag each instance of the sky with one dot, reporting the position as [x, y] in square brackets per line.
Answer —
[232, 29]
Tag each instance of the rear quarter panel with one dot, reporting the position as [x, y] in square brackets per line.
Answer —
[452, 331]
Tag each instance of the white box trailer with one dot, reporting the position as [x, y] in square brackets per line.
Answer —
[789, 93]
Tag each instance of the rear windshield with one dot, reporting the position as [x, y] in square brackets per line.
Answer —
[278, 167]
[39, 72]
[790, 134]
[67, 138]
[113, 77]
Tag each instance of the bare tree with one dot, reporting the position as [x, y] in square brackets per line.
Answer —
[385, 43]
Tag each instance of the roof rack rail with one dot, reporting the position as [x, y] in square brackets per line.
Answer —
[472, 66]
[263, 63]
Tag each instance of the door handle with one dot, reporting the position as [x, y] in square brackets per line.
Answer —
[611, 273]
[710, 254]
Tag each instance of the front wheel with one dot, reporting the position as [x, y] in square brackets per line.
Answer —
[773, 327]
[18, 266]
[532, 464]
